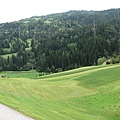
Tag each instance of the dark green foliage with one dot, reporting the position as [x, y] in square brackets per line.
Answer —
[60, 42]
[100, 61]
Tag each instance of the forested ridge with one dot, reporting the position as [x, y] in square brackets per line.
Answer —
[60, 41]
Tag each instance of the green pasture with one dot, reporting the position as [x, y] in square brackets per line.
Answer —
[89, 93]
[6, 55]
[20, 74]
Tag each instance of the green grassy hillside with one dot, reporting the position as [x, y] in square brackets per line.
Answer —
[89, 93]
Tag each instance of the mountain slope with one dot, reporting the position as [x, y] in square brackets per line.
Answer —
[62, 41]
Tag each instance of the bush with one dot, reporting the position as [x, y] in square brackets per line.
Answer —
[100, 61]
[58, 70]
[115, 60]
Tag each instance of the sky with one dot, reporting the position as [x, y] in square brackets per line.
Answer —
[13, 10]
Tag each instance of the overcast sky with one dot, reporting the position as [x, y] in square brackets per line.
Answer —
[12, 10]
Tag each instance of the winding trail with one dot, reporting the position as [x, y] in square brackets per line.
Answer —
[7, 113]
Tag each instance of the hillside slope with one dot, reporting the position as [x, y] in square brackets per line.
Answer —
[59, 42]
[81, 94]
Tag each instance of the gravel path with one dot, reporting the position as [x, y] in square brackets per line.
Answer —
[7, 113]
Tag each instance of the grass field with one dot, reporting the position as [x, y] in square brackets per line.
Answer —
[33, 74]
[89, 93]
[6, 55]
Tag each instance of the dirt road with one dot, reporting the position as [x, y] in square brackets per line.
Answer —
[7, 113]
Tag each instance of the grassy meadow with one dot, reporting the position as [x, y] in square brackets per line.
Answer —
[21, 74]
[88, 93]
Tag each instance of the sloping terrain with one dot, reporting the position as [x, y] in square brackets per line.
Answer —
[60, 42]
[88, 93]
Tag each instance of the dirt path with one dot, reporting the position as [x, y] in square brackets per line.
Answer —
[7, 113]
